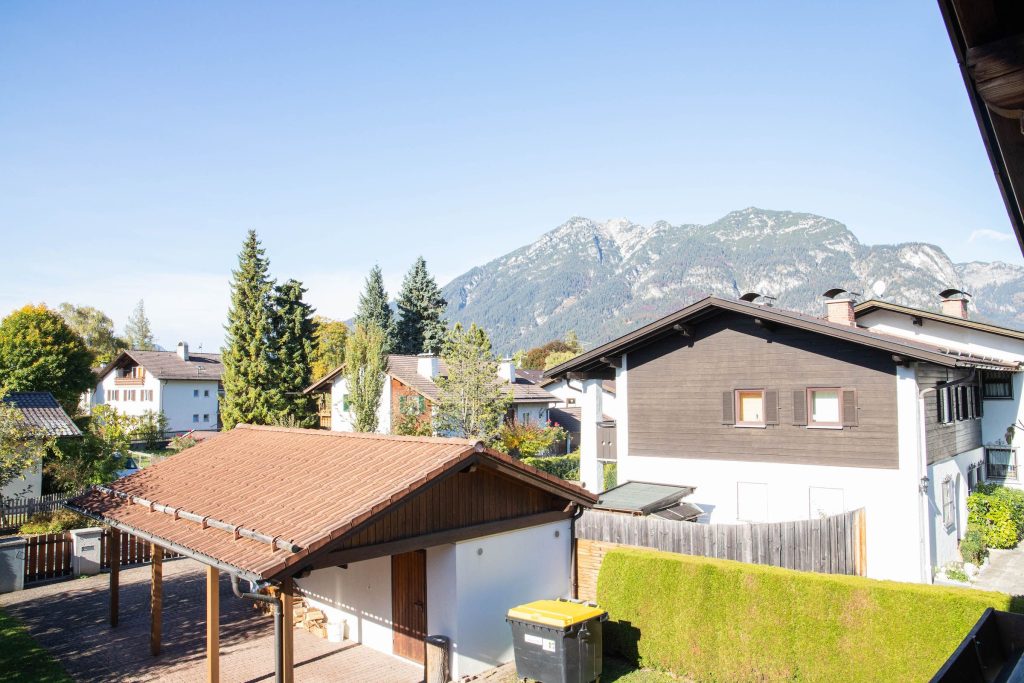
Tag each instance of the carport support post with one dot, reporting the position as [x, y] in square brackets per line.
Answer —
[114, 560]
[288, 630]
[156, 595]
[212, 625]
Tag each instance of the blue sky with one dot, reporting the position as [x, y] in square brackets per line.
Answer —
[138, 141]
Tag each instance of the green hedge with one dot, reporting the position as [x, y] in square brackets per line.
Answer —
[563, 466]
[997, 514]
[719, 620]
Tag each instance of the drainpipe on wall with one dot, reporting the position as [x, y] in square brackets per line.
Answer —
[574, 579]
[278, 625]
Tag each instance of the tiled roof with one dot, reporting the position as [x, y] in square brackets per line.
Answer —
[871, 305]
[305, 486]
[41, 410]
[168, 365]
[404, 369]
[567, 418]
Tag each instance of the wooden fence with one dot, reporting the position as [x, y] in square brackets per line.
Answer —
[47, 556]
[830, 545]
[134, 550]
[16, 511]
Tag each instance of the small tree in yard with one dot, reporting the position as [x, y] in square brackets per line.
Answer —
[137, 331]
[96, 457]
[528, 440]
[365, 364]
[472, 401]
[22, 446]
[40, 352]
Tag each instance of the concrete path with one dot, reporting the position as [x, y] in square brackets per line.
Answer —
[1004, 572]
[69, 618]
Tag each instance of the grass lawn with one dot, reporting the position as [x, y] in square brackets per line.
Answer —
[21, 659]
[616, 671]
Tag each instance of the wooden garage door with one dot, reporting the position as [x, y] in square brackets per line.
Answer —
[409, 603]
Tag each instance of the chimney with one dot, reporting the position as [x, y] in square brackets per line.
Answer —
[183, 350]
[507, 370]
[839, 307]
[954, 303]
[427, 365]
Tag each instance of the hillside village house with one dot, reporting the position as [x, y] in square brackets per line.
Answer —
[184, 386]
[392, 537]
[410, 390]
[773, 415]
[42, 411]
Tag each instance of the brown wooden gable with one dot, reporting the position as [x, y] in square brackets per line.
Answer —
[472, 503]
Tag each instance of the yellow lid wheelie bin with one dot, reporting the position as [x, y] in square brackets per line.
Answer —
[557, 641]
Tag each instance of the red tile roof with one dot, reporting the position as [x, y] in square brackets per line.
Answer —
[305, 486]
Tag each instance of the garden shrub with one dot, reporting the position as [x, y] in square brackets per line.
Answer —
[998, 513]
[562, 466]
[973, 548]
[54, 522]
[718, 620]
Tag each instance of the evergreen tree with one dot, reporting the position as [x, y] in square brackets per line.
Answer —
[294, 333]
[249, 391]
[421, 324]
[472, 401]
[366, 361]
[137, 331]
[374, 308]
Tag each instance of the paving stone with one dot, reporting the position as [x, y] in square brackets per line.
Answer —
[69, 618]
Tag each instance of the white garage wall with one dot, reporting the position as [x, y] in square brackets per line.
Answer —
[496, 573]
[359, 595]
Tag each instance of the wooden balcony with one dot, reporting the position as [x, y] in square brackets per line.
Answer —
[129, 381]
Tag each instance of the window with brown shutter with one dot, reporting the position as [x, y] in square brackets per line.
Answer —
[750, 408]
[728, 408]
[824, 407]
[799, 408]
[850, 417]
[771, 407]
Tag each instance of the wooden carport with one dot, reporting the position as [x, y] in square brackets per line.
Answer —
[332, 498]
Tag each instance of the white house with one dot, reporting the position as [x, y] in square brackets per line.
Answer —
[42, 411]
[184, 386]
[410, 392]
[773, 415]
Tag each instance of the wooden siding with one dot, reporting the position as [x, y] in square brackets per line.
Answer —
[676, 388]
[461, 500]
[945, 439]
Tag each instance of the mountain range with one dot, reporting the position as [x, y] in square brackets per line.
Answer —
[603, 279]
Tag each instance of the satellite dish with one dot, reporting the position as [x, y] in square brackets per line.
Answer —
[750, 296]
[833, 293]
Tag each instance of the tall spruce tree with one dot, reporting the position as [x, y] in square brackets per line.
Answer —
[294, 333]
[421, 325]
[137, 330]
[249, 391]
[374, 308]
[472, 402]
[366, 362]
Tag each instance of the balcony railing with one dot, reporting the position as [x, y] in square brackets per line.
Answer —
[129, 381]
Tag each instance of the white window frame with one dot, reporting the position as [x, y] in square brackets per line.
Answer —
[811, 424]
[948, 493]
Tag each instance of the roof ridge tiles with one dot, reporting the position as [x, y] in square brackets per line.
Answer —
[373, 436]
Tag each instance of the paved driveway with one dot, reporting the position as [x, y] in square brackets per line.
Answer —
[69, 618]
[1004, 572]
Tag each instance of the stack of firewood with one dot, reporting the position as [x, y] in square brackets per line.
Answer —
[313, 620]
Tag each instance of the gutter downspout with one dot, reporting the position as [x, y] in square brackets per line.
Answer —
[922, 470]
[278, 625]
[573, 566]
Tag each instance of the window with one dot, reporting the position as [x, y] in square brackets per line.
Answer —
[944, 403]
[206, 417]
[750, 407]
[751, 502]
[410, 405]
[998, 385]
[973, 476]
[206, 393]
[948, 502]
[345, 407]
[195, 393]
[526, 418]
[824, 408]
[1000, 462]
[114, 394]
[195, 417]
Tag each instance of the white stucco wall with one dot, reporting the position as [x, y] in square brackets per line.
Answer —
[360, 596]
[498, 572]
[565, 391]
[30, 486]
[344, 421]
[172, 397]
[945, 546]
[470, 587]
[533, 413]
